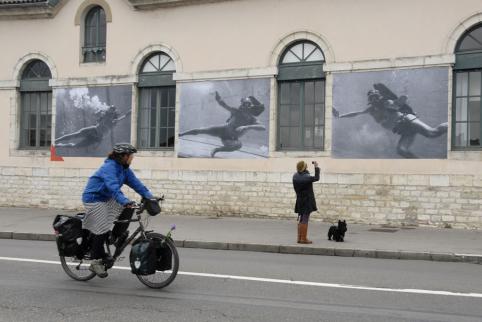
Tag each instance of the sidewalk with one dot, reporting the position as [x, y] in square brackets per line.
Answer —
[277, 236]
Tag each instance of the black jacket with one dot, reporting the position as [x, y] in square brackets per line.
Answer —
[305, 197]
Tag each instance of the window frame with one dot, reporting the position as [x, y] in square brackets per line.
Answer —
[301, 72]
[157, 80]
[467, 61]
[97, 48]
[467, 147]
[30, 86]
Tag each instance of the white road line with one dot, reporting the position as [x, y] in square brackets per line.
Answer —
[280, 281]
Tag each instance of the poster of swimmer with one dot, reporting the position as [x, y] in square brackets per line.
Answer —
[391, 114]
[224, 119]
[90, 120]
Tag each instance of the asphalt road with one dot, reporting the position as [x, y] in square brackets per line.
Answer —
[241, 286]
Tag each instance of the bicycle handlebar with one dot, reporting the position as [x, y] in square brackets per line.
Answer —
[139, 205]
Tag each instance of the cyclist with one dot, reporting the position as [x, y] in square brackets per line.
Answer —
[104, 201]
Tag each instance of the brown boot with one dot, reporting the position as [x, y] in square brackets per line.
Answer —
[299, 233]
[304, 233]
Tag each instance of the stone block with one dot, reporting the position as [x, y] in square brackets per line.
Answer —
[57, 172]
[159, 175]
[399, 180]
[439, 180]
[377, 179]
[8, 171]
[418, 180]
[461, 181]
[350, 178]
[72, 173]
[273, 177]
[255, 176]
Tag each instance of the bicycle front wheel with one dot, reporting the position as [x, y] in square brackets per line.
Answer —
[163, 278]
[77, 269]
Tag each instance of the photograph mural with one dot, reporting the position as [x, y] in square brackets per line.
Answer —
[90, 120]
[224, 119]
[391, 114]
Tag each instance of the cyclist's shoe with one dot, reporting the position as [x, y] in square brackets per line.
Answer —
[97, 266]
[121, 239]
[108, 262]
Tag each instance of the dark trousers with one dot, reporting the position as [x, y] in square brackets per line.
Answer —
[98, 241]
[97, 248]
[120, 228]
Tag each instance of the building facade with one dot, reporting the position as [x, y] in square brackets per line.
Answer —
[222, 98]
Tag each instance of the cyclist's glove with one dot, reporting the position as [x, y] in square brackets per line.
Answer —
[129, 204]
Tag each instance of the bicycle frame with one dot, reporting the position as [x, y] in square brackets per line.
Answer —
[129, 239]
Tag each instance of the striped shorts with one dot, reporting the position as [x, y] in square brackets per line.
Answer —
[100, 216]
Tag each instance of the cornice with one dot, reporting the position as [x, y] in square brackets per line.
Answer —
[155, 4]
[30, 10]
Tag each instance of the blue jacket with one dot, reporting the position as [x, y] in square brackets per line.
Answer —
[107, 181]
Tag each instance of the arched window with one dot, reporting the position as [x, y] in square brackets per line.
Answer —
[467, 105]
[157, 101]
[94, 35]
[301, 98]
[36, 106]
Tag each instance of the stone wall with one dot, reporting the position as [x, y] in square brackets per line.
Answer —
[402, 200]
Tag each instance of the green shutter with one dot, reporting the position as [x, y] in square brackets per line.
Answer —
[34, 85]
[157, 79]
[300, 71]
[468, 60]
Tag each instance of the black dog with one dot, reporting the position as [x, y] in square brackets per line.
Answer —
[338, 233]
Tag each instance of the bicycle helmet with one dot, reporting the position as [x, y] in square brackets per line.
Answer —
[124, 148]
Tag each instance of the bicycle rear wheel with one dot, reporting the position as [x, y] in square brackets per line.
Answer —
[162, 279]
[77, 269]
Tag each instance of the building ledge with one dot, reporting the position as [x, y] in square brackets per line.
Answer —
[155, 4]
[29, 9]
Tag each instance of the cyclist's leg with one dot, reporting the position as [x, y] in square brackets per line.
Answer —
[98, 246]
[98, 220]
[120, 229]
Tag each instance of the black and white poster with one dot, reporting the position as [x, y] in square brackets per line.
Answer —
[90, 120]
[224, 119]
[391, 114]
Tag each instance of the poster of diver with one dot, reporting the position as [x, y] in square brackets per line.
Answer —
[90, 120]
[224, 119]
[391, 114]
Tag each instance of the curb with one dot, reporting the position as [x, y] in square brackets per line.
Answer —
[290, 249]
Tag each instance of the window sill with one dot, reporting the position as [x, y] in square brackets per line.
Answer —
[166, 153]
[466, 155]
[468, 149]
[92, 64]
[26, 152]
[299, 154]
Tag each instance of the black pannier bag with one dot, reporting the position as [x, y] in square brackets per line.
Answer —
[143, 257]
[152, 206]
[164, 256]
[69, 235]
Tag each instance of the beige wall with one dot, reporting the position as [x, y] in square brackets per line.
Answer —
[242, 33]
[231, 40]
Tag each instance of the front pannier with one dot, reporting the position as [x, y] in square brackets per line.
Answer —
[143, 257]
[164, 256]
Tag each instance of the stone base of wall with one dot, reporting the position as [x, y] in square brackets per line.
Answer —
[401, 200]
